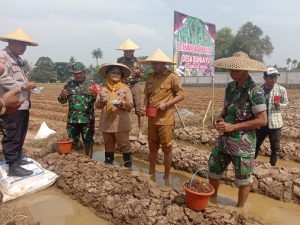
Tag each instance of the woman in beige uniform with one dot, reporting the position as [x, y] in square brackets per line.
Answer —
[115, 100]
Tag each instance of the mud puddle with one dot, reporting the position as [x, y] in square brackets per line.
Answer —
[267, 210]
[51, 206]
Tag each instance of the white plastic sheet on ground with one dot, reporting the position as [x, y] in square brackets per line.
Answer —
[13, 187]
[185, 112]
[44, 132]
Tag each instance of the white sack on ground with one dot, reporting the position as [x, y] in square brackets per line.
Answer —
[44, 132]
[13, 187]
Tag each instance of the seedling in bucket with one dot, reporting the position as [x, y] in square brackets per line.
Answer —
[197, 193]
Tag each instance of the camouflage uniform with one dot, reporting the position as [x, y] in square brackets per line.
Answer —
[134, 81]
[240, 105]
[81, 119]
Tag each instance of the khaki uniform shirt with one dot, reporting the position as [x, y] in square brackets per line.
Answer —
[14, 76]
[161, 89]
[118, 120]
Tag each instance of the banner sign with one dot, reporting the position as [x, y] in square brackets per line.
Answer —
[194, 45]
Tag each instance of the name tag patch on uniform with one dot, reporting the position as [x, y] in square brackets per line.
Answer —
[258, 92]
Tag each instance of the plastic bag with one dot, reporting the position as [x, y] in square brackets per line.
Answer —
[44, 132]
[13, 187]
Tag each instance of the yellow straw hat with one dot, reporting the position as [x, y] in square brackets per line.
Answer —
[103, 69]
[128, 45]
[158, 56]
[240, 61]
[19, 35]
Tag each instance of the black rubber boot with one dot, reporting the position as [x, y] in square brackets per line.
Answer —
[22, 162]
[15, 170]
[109, 157]
[273, 159]
[127, 159]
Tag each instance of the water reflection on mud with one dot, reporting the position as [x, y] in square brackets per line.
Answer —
[51, 207]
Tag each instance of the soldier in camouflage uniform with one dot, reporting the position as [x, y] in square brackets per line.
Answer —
[133, 82]
[244, 110]
[81, 96]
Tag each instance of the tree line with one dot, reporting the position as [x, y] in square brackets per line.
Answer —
[249, 39]
[45, 70]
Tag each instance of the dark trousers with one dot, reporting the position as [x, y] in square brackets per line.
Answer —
[274, 137]
[86, 130]
[16, 125]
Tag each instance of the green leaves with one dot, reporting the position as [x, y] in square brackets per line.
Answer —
[248, 39]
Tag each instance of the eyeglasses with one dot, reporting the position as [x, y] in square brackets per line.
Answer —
[116, 72]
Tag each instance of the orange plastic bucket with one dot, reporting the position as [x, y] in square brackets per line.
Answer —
[64, 147]
[151, 111]
[196, 200]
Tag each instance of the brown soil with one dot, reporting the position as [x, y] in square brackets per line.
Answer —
[10, 216]
[199, 186]
[276, 182]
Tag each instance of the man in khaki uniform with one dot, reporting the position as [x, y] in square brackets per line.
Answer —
[14, 77]
[162, 90]
[133, 82]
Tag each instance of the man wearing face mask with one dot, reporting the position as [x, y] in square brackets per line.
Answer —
[81, 94]
[14, 77]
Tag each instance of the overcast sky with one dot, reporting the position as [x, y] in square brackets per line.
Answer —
[65, 28]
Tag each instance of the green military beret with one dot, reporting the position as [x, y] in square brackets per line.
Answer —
[77, 67]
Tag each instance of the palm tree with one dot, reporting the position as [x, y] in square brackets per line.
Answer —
[288, 61]
[97, 54]
[72, 60]
[294, 63]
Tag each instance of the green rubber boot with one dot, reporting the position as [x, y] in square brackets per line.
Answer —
[88, 149]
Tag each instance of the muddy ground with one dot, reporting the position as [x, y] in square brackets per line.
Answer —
[127, 198]
[91, 182]
[276, 182]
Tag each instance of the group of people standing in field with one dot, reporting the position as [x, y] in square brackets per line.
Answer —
[250, 112]
[120, 93]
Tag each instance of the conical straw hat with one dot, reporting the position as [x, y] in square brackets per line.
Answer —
[19, 35]
[126, 71]
[128, 45]
[158, 56]
[240, 61]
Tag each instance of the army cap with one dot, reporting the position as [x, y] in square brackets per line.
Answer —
[77, 67]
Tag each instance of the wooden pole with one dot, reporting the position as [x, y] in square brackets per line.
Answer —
[206, 113]
[181, 120]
